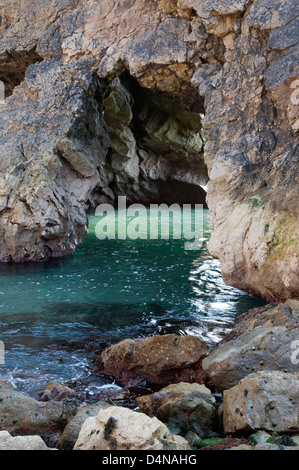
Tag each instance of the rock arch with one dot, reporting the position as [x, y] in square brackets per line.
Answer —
[239, 58]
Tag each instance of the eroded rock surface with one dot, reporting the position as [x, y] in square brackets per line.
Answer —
[117, 428]
[236, 62]
[182, 407]
[8, 442]
[256, 350]
[159, 359]
[22, 415]
[263, 401]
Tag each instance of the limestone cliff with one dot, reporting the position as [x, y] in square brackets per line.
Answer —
[106, 97]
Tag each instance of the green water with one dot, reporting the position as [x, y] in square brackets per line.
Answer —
[56, 317]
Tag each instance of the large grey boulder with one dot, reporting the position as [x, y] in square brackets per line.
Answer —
[257, 350]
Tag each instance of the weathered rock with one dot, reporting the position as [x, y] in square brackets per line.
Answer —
[23, 415]
[49, 158]
[268, 317]
[71, 432]
[241, 447]
[266, 401]
[182, 407]
[260, 437]
[257, 350]
[57, 392]
[156, 153]
[159, 359]
[236, 62]
[117, 428]
[7, 442]
[250, 158]
[264, 446]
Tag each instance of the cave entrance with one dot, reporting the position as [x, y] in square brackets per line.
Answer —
[156, 153]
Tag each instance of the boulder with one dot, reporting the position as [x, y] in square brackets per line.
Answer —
[257, 350]
[7, 442]
[57, 392]
[269, 316]
[159, 359]
[182, 407]
[266, 401]
[117, 428]
[261, 437]
[23, 415]
[71, 432]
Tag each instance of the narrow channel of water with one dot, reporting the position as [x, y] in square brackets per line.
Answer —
[56, 317]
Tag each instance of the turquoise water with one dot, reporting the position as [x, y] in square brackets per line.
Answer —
[56, 317]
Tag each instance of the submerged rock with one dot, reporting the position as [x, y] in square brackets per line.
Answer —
[182, 407]
[159, 359]
[117, 428]
[57, 392]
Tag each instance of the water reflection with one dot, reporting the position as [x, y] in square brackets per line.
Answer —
[56, 317]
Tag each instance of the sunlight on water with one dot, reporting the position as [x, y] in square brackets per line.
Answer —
[56, 317]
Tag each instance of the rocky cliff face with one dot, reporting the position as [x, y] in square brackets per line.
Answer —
[105, 98]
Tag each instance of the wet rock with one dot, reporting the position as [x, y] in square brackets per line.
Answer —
[257, 350]
[266, 401]
[117, 428]
[159, 359]
[7, 442]
[182, 407]
[57, 392]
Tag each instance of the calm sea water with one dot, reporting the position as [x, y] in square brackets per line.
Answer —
[55, 318]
